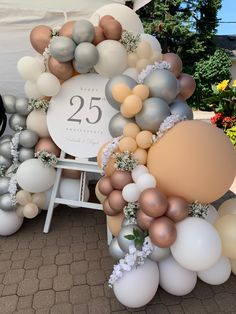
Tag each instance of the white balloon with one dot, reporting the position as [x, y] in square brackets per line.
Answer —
[138, 286]
[31, 90]
[175, 279]
[127, 17]
[152, 41]
[48, 84]
[138, 171]
[10, 222]
[212, 215]
[37, 122]
[146, 181]
[218, 273]
[69, 189]
[198, 245]
[29, 68]
[40, 60]
[34, 177]
[131, 192]
[112, 58]
[132, 72]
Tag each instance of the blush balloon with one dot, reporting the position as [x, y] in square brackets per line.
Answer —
[105, 186]
[105, 19]
[62, 70]
[67, 29]
[119, 179]
[177, 208]
[47, 145]
[40, 37]
[116, 201]
[187, 85]
[99, 35]
[175, 63]
[144, 221]
[162, 232]
[112, 30]
[107, 208]
[153, 203]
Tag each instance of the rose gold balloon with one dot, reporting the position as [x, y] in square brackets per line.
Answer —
[153, 203]
[112, 30]
[48, 145]
[107, 208]
[104, 185]
[67, 29]
[143, 220]
[119, 179]
[62, 70]
[99, 35]
[40, 37]
[162, 232]
[187, 85]
[116, 201]
[72, 174]
[177, 208]
[175, 63]
[105, 19]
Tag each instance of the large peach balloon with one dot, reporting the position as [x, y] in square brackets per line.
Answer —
[48, 145]
[40, 37]
[62, 70]
[187, 85]
[194, 160]
[67, 29]
[114, 223]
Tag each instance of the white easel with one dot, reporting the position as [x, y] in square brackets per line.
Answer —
[84, 166]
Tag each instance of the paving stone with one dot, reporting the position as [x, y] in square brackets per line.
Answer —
[62, 282]
[62, 241]
[63, 259]
[116, 305]
[63, 269]
[79, 280]
[99, 305]
[28, 286]
[1, 289]
[13, 276]
[96, 277]
[5, 256]
[90, 237]
[31, 273]
[45, 284]
[17, 264]
[168, 299]
[92, 245]
[80, 294]
[175, 309]
[4, 266]
[49, 251]
[35, 252]
[25, 311]
[43, 311]
[97, 291]
[9, 245]
[80, 309]
[107, 263]
[62, 297]
[10, 289]
[23, 244]
[210, 305]
[25, 302]
[20, 254]
[80, 267]
[193, 306]
[64, 249]
[37, 244]
[93, 265]
[48, 260]
[225, 301]
[63, 308]
[8, 304]
[78, 247]
[202, 290]
[158, 308]
[33, 262]
[47, 271]
[78, 256]
[44, 299]
[92, 255]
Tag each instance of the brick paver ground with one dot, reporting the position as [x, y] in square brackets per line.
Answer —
[66, 271]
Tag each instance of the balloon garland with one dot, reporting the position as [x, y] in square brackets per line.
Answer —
[161, 169]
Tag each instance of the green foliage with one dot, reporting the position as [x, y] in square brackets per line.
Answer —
[138, 237]
[231, 133]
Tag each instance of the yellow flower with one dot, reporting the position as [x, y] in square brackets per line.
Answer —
[222, 86]
[234, 83]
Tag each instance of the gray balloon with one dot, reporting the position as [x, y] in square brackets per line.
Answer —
[119, 79]
[5, 138]
[153, 113]
[126, 222]
[79, 69]
[181, 108]
[5, 161]
[4, 184]
[9, 103]
[86, 55]
[17, 121]
[5, 202]
[117, 124]
[22, 106]
[159, 253]
[5, 149]
[83, 31]
[25, 154]
[122, 241]
[162, 84]
[28, 138]
[62, 48]
[115, 250]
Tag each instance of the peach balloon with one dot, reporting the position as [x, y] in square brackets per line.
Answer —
[107, 208]
[40, 37]
[48, 145]
[141, 155]
[99, 195]
[131, 106]
[67, 29]
[119, 179]
[112, 29]
[141, 90]
[110, 167]
[62, 70]
[104, 185]
[143, 220]
[99, 35]
[175, 63]
[187, 85]
[116, 201]
[162, 232]
[153, 203]
[127, 144]
[177, 208]
[120, 92]
[144, 139]
[105, 19]
[114, 223]
[131, 130]
[194, 160]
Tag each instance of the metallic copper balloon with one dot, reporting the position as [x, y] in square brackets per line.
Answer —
[48, 145]
[40, 37]
[62, 70]
[116, 201]
[162, 232]
[105, 19]
[187, 85]
[177, 209]
[107, 208]
[67, 29]
[104, 185]
[119, 179]
[153, 203]
[175, 63]
[112, 30]
[143, 220]
[99, 35]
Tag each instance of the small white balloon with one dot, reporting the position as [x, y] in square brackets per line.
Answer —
[175, 279]
[132, 72]
[34, 177]
[131, 192]
[69, 189]
[48, 84]
[37, 122]
[138, 171]
[31, 90]
[40, 60]
[152, 41]
[212, 215]
[146, 181]
[30, 210]
[144, 279]
[29, 68]
[218, 273]
[10, 222]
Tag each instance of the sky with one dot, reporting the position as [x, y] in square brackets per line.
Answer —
[227, 14]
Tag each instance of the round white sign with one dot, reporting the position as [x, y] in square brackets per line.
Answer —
[78, 117]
